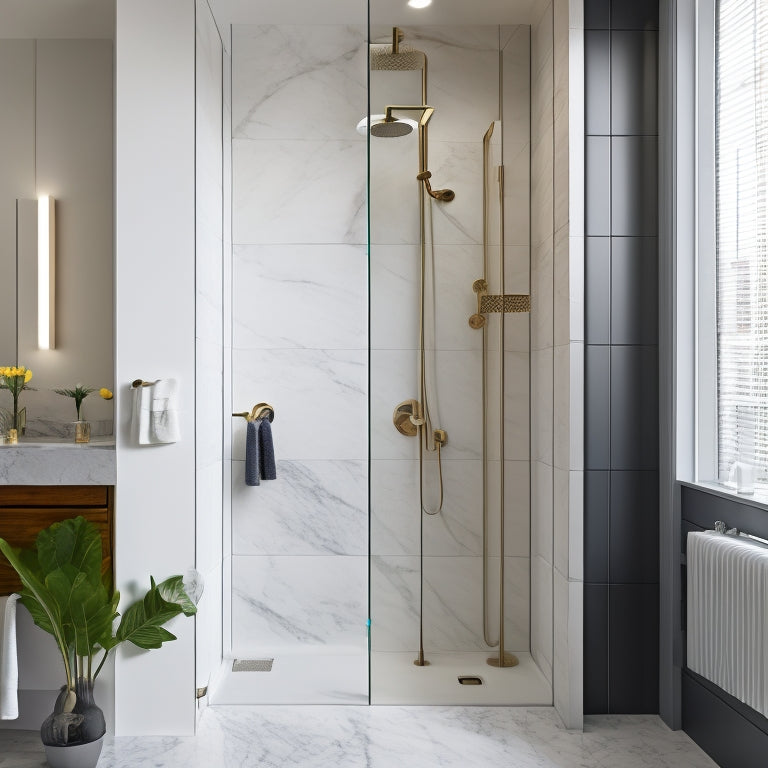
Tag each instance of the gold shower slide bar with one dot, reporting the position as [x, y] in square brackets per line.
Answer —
[259, 411]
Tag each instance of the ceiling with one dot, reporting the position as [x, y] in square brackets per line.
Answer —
[385, 12]
[57, 18]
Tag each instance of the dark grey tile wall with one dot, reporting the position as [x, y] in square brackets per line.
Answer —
[621, 488]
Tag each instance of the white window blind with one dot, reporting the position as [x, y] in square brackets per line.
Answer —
[741, 160]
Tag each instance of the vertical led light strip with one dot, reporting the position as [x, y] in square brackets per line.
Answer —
[46, 272]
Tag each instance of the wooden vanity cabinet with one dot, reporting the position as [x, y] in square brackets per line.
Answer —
[26, 509]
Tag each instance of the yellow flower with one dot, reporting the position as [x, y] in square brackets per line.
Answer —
[27, 375]
[105, 393]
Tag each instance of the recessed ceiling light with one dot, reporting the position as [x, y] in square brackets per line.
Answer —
[419, 3]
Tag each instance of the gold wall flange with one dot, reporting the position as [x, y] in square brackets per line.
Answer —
[403, 418]
[510, 660]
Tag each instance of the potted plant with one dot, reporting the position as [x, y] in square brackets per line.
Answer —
[15, 380]
[67, 596]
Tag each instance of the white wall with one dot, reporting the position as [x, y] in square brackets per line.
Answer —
[155, 338]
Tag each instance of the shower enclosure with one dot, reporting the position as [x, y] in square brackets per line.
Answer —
[392, 299]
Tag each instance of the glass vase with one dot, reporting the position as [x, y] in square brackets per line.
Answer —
[82, 432]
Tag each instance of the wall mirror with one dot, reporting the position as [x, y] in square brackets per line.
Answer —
[56, 87]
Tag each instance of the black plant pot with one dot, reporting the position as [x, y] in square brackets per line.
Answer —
[83, 725]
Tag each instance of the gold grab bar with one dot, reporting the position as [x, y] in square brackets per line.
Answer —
[259, 411]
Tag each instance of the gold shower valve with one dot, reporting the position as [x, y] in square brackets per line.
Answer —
[476, 321]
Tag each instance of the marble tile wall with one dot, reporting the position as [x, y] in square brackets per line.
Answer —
[299, 544]
[463, 86]
[209, 338]
[542, 339]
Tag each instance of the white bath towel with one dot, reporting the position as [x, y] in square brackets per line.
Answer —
[9, 661]
[155, 418]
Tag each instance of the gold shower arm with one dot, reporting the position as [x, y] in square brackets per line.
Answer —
[425, 109]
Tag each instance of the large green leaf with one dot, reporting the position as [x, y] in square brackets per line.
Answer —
[75, 542]
[39, 600]
[172, 590]
[142, 622]
[87, 610]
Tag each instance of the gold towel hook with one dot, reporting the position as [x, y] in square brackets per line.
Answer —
[259, 411]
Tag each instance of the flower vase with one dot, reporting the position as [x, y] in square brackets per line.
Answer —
[82, 432]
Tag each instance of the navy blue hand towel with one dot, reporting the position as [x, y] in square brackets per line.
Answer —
[252, 461]
[266, 451]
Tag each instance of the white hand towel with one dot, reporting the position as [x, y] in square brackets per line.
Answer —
[155, 419]
[9, 661]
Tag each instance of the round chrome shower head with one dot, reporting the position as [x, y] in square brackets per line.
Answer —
[383, 128]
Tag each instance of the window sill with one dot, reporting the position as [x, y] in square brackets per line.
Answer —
[758, 499]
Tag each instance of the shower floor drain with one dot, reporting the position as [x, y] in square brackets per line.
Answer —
[252, 665]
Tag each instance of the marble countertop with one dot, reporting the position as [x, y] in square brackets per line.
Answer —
[40, 461]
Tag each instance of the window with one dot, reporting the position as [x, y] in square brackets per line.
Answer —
[741, 233]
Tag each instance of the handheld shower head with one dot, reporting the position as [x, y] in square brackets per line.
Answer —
[444, 195]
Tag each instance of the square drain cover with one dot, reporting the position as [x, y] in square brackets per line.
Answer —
[252, 665]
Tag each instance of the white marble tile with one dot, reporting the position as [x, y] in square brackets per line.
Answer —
[576, 405]
[394, 603]
[517, 193]
[209, 398]
[300, 296]
[394, 377]
[290, 601]
[312, 508]
[517, 405]
[517, 270]
[576, 525]
[299, 191]
[395, 516]
[542, 189]
[298, 81]
[299, 677]
[561, 530]
[542, 299]
[453, 614]
[576, 287]
[459, 402]
[208, 620]
[319, 398]
[457, 166]
[463, 78]
[208, 520]
[394, 296]
[394, 190]
[560, 656]
[457, 529]
[382, 736]
[517, 330]
[456, 268]
[541, 405]
[541, 614]
[562, 288]
[516, 96]
[561, 372]
[541, 510]
[517, 507]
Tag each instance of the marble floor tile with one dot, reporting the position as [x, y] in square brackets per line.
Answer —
[384, 737]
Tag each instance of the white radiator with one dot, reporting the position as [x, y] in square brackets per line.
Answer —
[728, 615]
